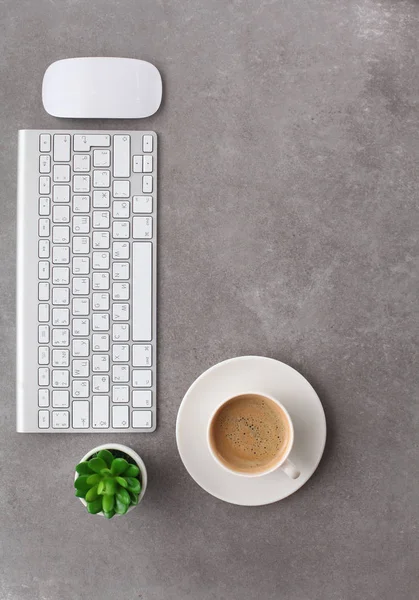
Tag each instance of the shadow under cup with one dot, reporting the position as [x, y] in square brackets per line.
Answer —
[250, 434]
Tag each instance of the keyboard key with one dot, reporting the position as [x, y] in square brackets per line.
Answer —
[147, 143]
[43, 248]
[142, 204]
[43, 376]
[61, 173]
[137, 164]
[44, 227]
[60, 337]
[120, 189]
[81, 265]
[44, 206]
[45, 142]
[43, 291]
[142, 419]
[120, 290]
[61, 255]
[43, 419]
[100, 342]
[101, 158]
[120, 209]
[60, 399]
[60, 275]
[81, 163]
[80, 388]
[43, 313]
[81, 183]
[147, 184]
[80, 348]
[43, 355]
[120, 270]
[120, 229]
[147, 164]
[100, 412]
[80, 368]
[121, 155]
[61, 214]
[101, 199]
[120, 250]
[142, 398]
[61, 193]
[43, 270]
[81, 224]
[120, 312]
[60, 419]
[61, 148]
[81, 245]
[81, 204]
[60, 296]
[141, 355]
[142, 292]
[44, 185]
[81, 286]
[60, 234]
[101, 219]
[80, 409]
[120, 393]
[141, 378]
[101, 179]
[81, 327]
[120, 416]
[120, 373]
[43, 334]
[142, 228]
[100, 363]
[100, 383]
[101, 239]
[43, 398]
[100, 322]
[60, 378]
[60, 316]
[81, 307]
[120, 353]
[120, 332]
[100, 301]
[85, 142]
[100, 281]
[60, 358]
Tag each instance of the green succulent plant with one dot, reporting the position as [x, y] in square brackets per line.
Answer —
[108, 483]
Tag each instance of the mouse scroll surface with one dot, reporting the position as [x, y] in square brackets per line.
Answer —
[101, 88]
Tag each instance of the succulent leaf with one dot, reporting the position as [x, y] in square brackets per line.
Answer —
[122, 482]
[83, 468]
[80, 493]
[118, 466]
[101, 488]
[120, 507]
[94, 507]
[123, 496]
[97, 464]
[106, 456]
[108, 502]
[92, 494]
[94, 479]
[132, 471]
[133, 485]
[109, 514]
[81, 483]
[134, 498]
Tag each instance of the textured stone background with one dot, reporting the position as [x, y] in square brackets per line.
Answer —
[288, 227]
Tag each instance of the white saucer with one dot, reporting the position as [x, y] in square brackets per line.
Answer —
[233, 377]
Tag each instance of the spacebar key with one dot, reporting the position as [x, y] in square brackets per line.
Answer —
[142, 291]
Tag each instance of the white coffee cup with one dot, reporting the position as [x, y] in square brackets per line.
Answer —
[283, 462]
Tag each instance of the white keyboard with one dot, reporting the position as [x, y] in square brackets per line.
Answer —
[86, 281]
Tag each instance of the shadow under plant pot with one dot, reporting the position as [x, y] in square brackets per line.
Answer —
[110, 480]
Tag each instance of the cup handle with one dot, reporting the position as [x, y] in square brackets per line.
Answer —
[290, 469]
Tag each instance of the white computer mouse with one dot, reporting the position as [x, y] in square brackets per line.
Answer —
[101, 88]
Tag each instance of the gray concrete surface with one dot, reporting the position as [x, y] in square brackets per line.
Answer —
[289, 156]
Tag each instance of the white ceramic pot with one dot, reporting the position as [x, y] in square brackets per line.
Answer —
[135, 457]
